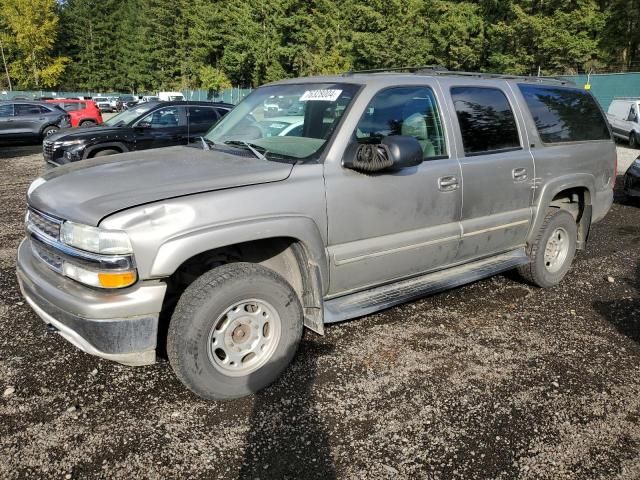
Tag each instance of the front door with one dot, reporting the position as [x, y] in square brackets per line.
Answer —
[163, 127]
[497, 172]
[391, 225]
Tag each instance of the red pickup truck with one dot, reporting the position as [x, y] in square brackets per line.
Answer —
[84, 113]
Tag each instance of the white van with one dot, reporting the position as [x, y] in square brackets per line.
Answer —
[170, 96]
[624, 115]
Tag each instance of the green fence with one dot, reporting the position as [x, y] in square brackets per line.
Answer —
[606, 86]
[230, 95]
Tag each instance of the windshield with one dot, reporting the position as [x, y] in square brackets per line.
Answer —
[127, 116]
[267, 121]
[100, 99]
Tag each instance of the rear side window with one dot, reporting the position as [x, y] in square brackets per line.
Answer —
[25, 109]
[202, 117]
[486, 120]
[564, 114]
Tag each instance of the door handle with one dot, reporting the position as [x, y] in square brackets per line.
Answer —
[448, 183]
[519, 174]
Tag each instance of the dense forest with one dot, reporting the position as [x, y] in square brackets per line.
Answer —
[146, 45]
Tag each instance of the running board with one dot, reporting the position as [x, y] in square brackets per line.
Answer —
[378, 298]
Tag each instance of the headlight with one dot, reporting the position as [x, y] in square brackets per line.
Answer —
[68, 143]
[97, 240]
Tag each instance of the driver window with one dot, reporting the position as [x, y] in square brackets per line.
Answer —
[632, 114]
[163, 118]
[410, 111]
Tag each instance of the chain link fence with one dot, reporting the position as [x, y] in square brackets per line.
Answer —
[231, 95]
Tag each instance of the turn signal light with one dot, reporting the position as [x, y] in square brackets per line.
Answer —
[116, 279]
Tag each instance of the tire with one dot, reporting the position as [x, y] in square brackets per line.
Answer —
[633, 140]
[104, 153]
[218, 310]
[87, 123]
[50, 130]
[546, 269]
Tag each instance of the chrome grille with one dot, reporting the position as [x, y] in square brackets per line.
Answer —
[47, 150]
[43, 224]
[47, 255]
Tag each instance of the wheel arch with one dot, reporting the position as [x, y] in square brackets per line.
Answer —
[292, 247]
[93, 149]
[572, 193]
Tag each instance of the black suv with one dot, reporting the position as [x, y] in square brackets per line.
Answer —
[148, 125]
[24, 119]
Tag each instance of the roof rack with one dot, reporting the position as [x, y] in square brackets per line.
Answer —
[439, 70]
[420, 69]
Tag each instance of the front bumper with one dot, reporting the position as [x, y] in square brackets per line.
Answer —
[120, 325]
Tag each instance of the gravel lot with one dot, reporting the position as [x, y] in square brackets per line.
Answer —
[493, 380]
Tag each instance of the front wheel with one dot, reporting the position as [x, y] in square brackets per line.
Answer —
[553, 249]
[234, 331]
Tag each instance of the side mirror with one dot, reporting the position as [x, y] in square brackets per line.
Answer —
[392, 153]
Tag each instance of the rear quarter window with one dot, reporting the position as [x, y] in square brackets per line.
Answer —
[565, 114]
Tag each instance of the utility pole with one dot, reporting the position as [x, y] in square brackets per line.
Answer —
[4, 60]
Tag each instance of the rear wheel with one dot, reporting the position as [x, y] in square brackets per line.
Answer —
[234, 331]
[87, 123]
[50, 130]
[553, 250]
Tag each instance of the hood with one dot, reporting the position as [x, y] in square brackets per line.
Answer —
[89, 190]
[84, 133]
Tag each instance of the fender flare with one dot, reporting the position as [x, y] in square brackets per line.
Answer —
[550, 189]
[177, 250]
[102, 146]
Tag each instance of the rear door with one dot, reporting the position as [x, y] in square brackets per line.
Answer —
[27, 118]
[6, 120]
[497, 170]
[164, 127]
[200, 119]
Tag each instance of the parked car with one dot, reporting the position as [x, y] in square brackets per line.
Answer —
[170, 96]
[623, 116]
[283, 126]
[232, 247]
[631, 180]
[125, 101]
[84, 113]
[104, 104]
[149, 125]
[23, 119]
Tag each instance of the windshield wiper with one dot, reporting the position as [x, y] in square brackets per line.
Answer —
[206, 143]
[248, 145]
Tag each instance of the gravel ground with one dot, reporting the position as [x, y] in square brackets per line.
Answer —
[493, 380]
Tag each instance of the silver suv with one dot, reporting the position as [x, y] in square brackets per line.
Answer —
[397, 185]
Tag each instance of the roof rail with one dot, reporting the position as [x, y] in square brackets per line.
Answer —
[443, 71]
[422, 68]
[526, 78]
